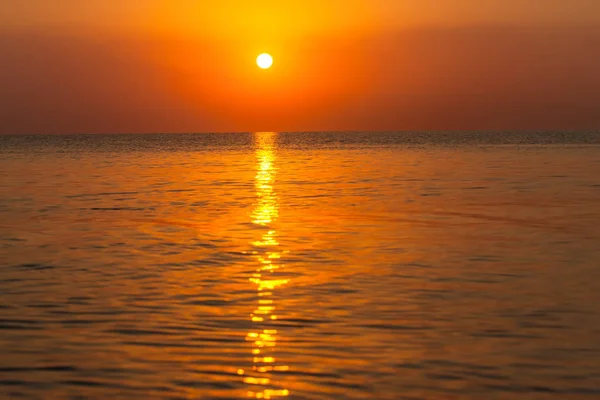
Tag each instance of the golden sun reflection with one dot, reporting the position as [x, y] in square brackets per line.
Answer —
[266, 251]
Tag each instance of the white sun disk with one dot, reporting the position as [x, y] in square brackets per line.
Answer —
[264, 61]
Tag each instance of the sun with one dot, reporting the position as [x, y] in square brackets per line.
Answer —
[264, 61]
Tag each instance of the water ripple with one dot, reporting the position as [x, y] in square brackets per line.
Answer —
[300, 266]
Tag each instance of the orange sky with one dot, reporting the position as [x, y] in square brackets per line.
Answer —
[69, 66]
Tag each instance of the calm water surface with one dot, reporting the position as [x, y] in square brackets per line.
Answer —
[301, 266]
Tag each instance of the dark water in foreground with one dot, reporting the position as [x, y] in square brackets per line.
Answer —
[308, 266]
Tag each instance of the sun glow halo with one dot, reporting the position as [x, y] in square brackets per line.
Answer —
[264, 61]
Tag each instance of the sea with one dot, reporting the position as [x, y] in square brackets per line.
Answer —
[340, 265]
